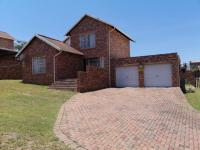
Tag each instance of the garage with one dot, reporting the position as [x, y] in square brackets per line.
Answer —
[127, 76]
[146, 71]
[158, 75]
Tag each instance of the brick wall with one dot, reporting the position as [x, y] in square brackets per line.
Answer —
[87, 26]
[101, 31]
[10, 68]
[37, 48]
[6, 43]
[67, 65]
[119, 45]
[172, 59]
[93, 79]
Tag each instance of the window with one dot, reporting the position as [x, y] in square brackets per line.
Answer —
[87, 41]
[98, 62]
[38, 65]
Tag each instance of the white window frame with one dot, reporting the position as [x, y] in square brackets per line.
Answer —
[38, 67]
[87, 41]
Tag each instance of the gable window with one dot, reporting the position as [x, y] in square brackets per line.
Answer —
[38, 65]
[87, 41]
[98, 62]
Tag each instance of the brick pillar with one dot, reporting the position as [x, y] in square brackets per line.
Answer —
[141, 76]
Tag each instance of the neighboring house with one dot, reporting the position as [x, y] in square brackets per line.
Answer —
[94, 55]
[10, 68]
[191, 73]
[194, 65]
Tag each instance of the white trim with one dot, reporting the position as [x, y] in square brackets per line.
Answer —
[41, 38]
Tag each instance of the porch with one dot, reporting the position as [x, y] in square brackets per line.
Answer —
[94, 78]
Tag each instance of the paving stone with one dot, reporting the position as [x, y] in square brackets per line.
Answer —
[129, 118]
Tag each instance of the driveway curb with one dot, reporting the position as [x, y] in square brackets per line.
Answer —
[59, 133]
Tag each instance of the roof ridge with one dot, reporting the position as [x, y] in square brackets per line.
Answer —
[49, 37]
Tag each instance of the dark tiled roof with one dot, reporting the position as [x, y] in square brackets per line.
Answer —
[6, 35]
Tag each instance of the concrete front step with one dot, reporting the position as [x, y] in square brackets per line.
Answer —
[74, 89]
[67, 80]
[64, 83]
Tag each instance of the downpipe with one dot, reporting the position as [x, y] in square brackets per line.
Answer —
[54, 64]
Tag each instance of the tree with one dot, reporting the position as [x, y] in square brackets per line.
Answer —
[19, 45]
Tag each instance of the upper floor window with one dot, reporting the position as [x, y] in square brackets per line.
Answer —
[87, 41]
[38, 65]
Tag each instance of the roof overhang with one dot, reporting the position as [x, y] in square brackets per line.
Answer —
[4, 51]
[44, 40]
[41, 38]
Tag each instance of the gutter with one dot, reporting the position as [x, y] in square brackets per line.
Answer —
[54, 65]
[109, 71]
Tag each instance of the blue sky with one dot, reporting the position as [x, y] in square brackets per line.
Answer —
[157, 26]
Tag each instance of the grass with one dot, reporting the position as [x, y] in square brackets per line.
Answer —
[27, 116]
[194, 98]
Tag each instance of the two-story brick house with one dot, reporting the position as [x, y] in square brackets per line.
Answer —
[10, 68]
[89, 58]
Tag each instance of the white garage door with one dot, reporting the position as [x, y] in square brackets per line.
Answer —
[127, 76]
[158, 75]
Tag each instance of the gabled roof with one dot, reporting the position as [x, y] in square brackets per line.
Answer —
[6, 35]
[58, 45]
[97, 19]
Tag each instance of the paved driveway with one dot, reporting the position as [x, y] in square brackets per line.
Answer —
[129, 118]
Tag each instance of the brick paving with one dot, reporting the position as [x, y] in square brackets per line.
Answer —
[129, 118]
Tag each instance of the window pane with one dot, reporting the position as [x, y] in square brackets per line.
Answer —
[38, 65]
[87, 40]
[92, 40]
[102, 62]
[81, 41]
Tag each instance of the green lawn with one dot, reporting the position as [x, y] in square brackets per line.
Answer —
[194, 99]
[27, 116]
